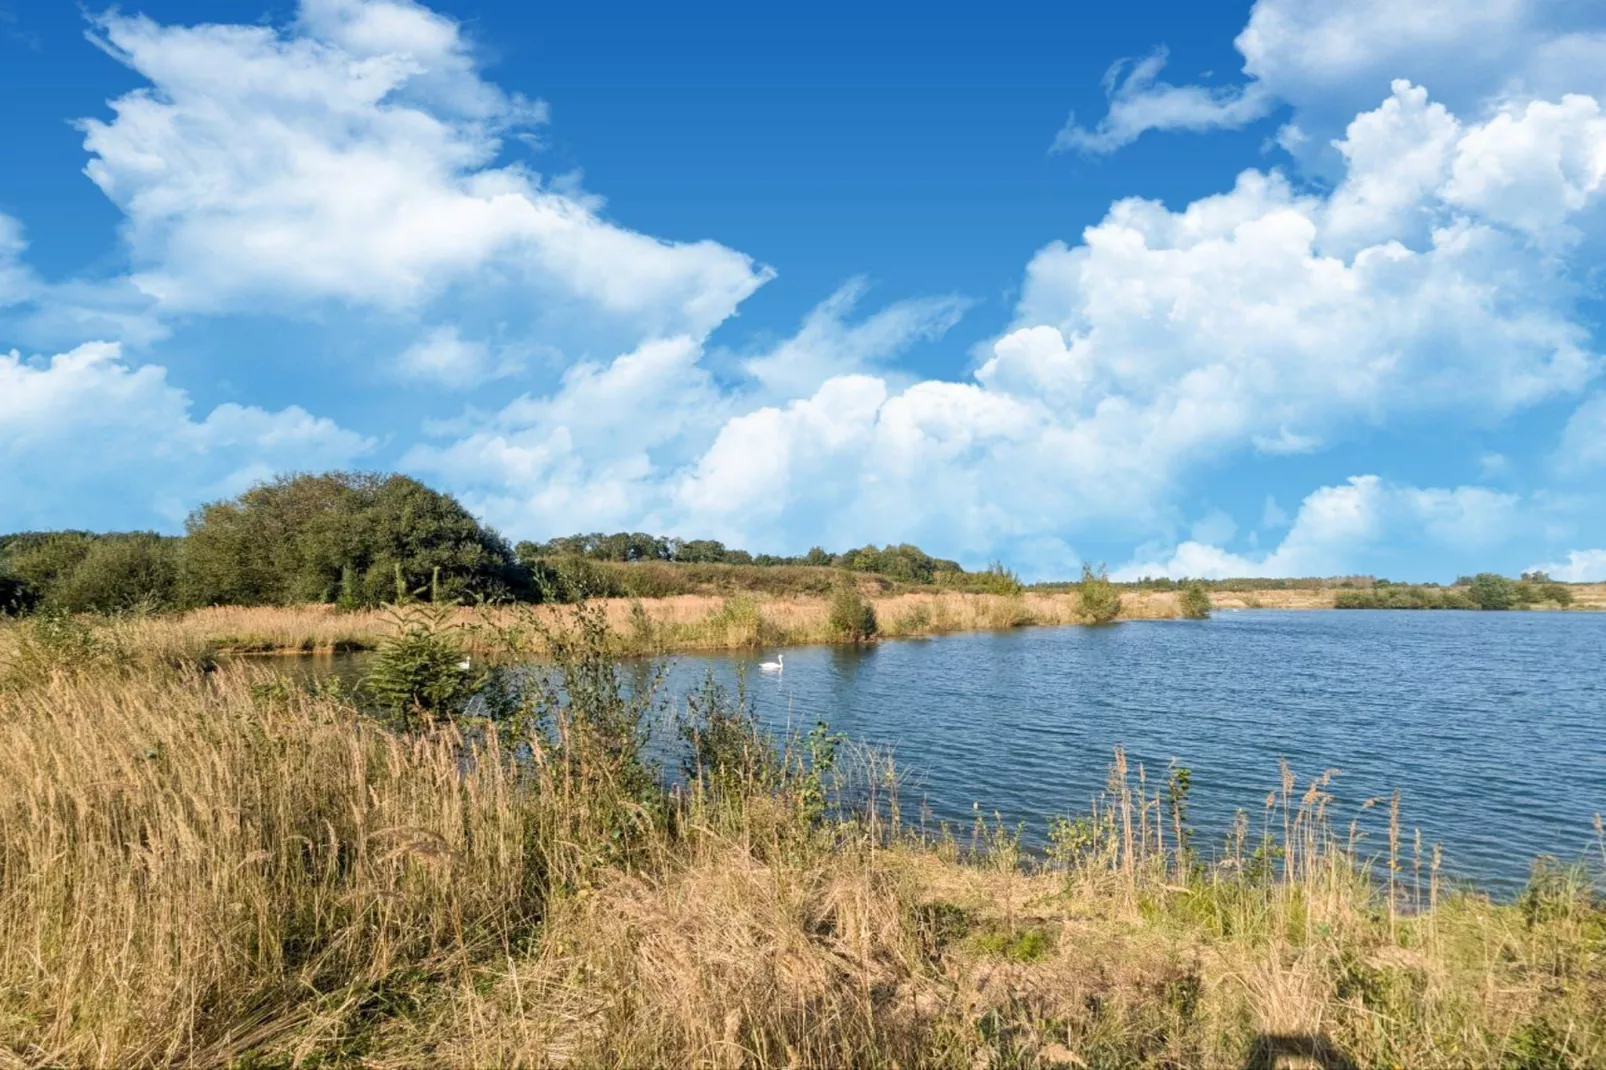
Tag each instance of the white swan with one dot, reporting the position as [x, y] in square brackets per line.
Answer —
[463, 664]
[774, 666]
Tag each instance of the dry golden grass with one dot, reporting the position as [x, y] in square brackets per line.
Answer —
[1589, 595]
[682, 622]
[188, 871]
[204, 868]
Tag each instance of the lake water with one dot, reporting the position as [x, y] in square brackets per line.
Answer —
[1491, 725]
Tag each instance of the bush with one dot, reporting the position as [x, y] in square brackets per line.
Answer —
[345, 535]
[39, 562]
[1100, 601]
[1557, 593]
[54, 642]
[1490, 590]
[78, 572]
[1401, 596]
[421, 673]
[1194, 602]
[852, 617]
[726, 748]
[14, 594]
[569, 579]
[122, 573]
[994, 579]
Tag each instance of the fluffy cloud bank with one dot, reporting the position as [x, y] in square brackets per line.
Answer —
[1327, 61]
[355, 163]
[85, 438]
[1364, 518]
[354, 157]
[1581, 566]
[1259, 319]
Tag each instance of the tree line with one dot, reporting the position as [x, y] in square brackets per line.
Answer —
[905, 563]
[358, 539]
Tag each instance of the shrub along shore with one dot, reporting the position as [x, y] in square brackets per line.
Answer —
[646, 626]
[640, 626]
[219, 865]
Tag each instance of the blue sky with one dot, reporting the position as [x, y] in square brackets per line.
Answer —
[1281, 288]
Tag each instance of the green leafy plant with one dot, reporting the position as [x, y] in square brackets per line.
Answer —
[1194, 602]
[851, 618]
[422, 672]
[1493, 591]
[820, 749]
[1557, 593]
[1100, 601]
[726, 748]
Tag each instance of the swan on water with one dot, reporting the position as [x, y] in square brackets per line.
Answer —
[463, 664]
[774, 666]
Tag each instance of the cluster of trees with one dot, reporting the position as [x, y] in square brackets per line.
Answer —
[1258, 583]
[352, 538]
[361, 539]
[81, 572]
[905, 563]
[1486, 590]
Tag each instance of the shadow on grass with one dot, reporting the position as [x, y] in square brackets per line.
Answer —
[1296, 1051]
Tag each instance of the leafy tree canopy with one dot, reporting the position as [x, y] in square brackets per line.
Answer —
[355, 537]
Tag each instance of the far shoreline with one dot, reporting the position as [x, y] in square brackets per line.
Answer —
[687, 623]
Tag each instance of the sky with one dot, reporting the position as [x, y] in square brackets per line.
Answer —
[1257, 289]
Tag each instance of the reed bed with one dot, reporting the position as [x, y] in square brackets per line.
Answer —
[213, 867]
[659, 625]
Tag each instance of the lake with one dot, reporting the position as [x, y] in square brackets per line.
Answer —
[1491, 725]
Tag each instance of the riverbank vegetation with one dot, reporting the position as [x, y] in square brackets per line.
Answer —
[360, 541]
[639, 626]
[1483, 591]
[227, 867]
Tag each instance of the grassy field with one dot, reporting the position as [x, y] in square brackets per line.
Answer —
[222, 867]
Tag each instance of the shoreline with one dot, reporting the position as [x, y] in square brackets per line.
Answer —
[679, 623]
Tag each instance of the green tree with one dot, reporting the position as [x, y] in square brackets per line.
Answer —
[354, 537]
[1493, 591]
[76, 572]
[1100, 601]
[40, 562]
[699, 551]
[852, 618]
[122, 572]
[1556, 592]
[421, 672]
[1194, 601]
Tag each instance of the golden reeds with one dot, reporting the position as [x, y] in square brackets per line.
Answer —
[642, 626]
[208, 867]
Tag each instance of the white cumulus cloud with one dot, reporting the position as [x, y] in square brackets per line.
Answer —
[1358, 525]
[354, 157]
[1329, 60]
[1260, 319]
[88, 440]
[1581, 566]
[1582, 449]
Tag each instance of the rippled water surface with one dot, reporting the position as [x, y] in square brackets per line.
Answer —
[1491, 725]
